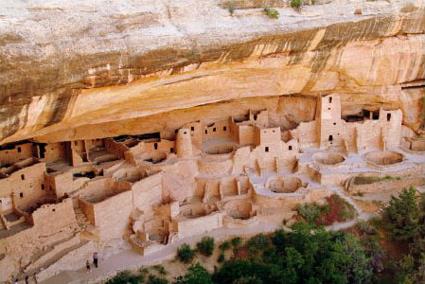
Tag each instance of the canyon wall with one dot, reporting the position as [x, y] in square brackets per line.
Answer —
[77, 70]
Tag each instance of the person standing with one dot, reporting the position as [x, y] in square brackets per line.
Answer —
[95, 259]
[88, 266]
[27, 279]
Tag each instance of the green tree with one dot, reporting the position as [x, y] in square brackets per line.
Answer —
[196, 274]
[402, 216]
[185, 253]
[126, 277]
[206, 246]
[296, 4]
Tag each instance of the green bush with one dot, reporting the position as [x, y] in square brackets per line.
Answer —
[311, 212]
[126, 277]
[221, 257]
[258, 243]
[236, 242]
[296, 4]
[196, 274]
[224, 246]
[185, 253]
[206, 246]
[271, 13]
[161, 270]
[156, 280]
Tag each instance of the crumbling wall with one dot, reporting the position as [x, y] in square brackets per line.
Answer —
[16, 154]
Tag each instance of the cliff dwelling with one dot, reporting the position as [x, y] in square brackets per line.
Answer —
[137, 126]
[150, 191]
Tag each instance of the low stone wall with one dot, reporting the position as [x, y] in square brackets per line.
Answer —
[386, 185]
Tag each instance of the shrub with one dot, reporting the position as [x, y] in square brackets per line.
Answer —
[337, 210]
[271, 13]
[156, 280]
[224, 246]
[221, 258]
[196, 274]
[236, 242]
[230, 6]
[258, 243]
[161, 270]
[311, 212]
[126, 277]
[185, 253]
[206, 246]
[296, 4]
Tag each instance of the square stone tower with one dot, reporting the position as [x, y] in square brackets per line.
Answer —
[330, 124]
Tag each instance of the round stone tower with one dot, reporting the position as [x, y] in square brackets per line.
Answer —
[184, 143]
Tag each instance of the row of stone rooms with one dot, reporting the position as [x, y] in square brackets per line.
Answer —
[152, 191]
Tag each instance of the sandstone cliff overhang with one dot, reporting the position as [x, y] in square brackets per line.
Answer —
[70, 65]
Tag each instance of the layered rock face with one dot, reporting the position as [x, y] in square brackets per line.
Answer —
[79, 70]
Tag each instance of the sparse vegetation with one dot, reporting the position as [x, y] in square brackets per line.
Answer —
[296, 4]
[230, 6]
[185, 253]
[335, 210]
[206, 246]
[271, 13]
[160, 269]
[126, 277]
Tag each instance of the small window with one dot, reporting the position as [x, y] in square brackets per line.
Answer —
[22, 177]
[184, 132]
[175, 131]
[224, 128]
[334, 123]
[214, 129]
[75, 143]
[42, 186]
[192, 128]
[19, 149]
[290, 148]
[255, 117]
[206, 131]
[331, 138]
[330, 100]
[21, 195]
[155, 145]
[266, 149]
[53, 209]
[171, 150]
[273, 131]
[329, 108]
[388, 116]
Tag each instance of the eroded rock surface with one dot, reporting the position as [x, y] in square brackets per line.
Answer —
[69, 66]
